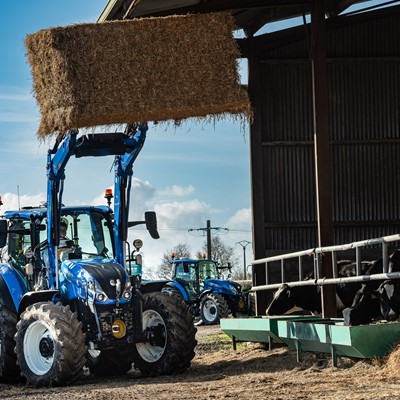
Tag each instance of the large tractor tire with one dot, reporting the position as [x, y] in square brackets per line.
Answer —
[213, 307]
[50, 345]
[110, 362]
[9, 371]
[168, 327]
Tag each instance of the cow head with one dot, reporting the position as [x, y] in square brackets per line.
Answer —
[282, 301]
[390, 300]
[364, 309]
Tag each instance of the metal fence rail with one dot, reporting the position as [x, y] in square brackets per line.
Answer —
[318, 252]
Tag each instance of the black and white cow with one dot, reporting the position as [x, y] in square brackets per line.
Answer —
[364, 309]
[389, 297]
[288, 300]
[348, 295]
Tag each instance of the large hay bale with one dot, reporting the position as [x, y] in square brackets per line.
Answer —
[150, 69]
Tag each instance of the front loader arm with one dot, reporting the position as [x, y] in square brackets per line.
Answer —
[122, 188]
[125, 147]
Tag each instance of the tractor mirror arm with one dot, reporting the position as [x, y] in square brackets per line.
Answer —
[151, 223]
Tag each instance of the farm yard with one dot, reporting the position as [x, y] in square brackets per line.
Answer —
[218, 372]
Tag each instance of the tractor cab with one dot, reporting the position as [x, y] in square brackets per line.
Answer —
[88, 234]
[193, 275]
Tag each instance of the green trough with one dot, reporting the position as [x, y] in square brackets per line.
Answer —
[316, 334]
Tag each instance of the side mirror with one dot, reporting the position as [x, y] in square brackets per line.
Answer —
[151, 224]
[3, 232]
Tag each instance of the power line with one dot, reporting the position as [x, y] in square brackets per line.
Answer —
[208, 230]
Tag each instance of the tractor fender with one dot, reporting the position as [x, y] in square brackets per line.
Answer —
[182, 290]
[12, 287]
[205, 293]
[152, 286]
[36, 297]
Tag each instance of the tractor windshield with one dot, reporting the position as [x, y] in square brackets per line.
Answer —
[208, 270]
[88, 230]
[19, 240]
[185, 271]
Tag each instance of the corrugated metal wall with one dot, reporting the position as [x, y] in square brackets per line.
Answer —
[364, 87]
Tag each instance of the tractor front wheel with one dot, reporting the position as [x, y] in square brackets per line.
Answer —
[213, 307]
[169, 336]
[50, 345]
[9, 371]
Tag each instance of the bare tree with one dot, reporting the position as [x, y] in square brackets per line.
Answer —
[181, 250]
[222, 253]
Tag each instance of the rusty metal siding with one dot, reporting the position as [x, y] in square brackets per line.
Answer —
[364, 107]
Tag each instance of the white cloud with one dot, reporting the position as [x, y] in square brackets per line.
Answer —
[11, 202]
[241, 219]
[177, 191]
[189, 213]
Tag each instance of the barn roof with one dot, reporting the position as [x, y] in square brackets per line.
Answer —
[249, 15]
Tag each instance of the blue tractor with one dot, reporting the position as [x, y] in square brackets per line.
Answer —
[76, 301]
[209, 297]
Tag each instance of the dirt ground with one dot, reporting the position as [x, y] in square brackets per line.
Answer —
[218, 372]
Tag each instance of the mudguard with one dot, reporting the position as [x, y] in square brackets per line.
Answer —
[149, 286]
[12, 287]
[37, 297]
[181, 289]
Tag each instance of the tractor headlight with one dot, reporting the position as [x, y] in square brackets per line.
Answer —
[127, 294]
[97, 292]
[100, 296]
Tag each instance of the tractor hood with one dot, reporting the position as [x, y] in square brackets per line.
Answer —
[104, 274]
[222, 286]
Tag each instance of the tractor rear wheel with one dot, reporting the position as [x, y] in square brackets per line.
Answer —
[110, 362]
[9, 371]
[50, 345]
[213, 307]
[170, 336]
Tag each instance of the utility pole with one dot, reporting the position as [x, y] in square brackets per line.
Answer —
[244, 243]
[208, 229]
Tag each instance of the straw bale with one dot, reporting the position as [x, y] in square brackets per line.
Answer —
[150, 69]
[393, 363]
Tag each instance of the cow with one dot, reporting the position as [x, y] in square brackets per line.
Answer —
[308, 298]
[288, 300]
[389, 292]
[371, 304]
[364, 309]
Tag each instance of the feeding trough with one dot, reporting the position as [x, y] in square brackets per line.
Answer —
[259, 329]
[317, 335]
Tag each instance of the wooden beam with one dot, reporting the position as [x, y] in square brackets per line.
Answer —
[225, 5]
[323, 176]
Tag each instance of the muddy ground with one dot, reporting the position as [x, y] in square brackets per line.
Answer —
[218, 372]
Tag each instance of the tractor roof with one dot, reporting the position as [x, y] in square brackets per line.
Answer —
[41, 212]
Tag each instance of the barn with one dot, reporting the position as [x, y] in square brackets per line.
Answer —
[325, 136]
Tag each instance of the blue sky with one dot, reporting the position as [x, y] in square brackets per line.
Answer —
[187, 174]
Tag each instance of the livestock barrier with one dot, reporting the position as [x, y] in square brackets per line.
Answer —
[318, 252]
[310, 333]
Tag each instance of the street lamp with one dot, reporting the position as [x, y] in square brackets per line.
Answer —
[244, 243]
